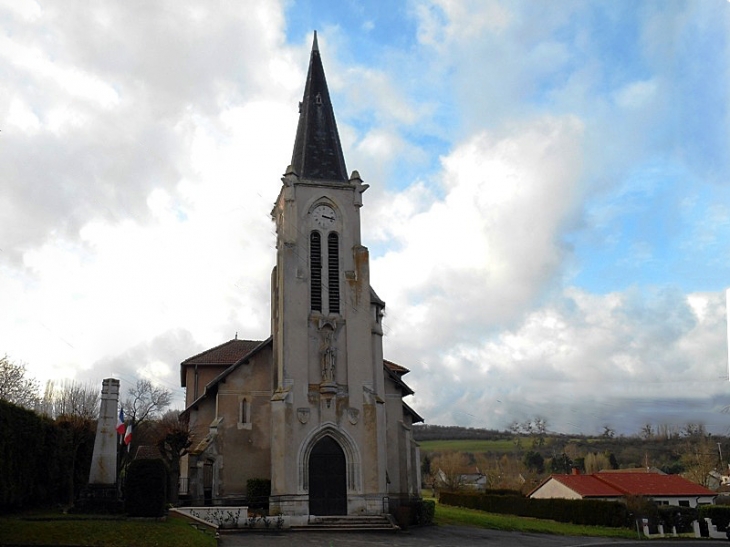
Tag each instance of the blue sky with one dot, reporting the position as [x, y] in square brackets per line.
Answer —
[548, 213]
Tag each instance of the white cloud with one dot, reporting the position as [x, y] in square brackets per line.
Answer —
[588, 361]
[143, 145]
[445, 21]
[482, 253]
[636, 94]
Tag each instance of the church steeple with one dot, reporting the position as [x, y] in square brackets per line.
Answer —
[317, 149]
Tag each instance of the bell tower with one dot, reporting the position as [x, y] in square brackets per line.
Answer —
[328, 410]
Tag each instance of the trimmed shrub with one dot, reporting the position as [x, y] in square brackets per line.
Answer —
[681, 517]
[586, 512]
[145, 488]
[720, 515]
[425, 511]
[258, 492]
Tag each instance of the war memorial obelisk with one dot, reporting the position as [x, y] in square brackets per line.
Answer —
[102, 488]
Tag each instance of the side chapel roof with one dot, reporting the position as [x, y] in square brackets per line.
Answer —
[317, 150]
[243, 359]
[225, 354]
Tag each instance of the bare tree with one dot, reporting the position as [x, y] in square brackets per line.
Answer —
[145, 401]
[700, 457]
[15, 386]
[540, 431]
[173, 441]
[71, 399]
[694, 430]
[667, 431]
[647, 432]
[608, 432]
[596, 461]
[449, 470]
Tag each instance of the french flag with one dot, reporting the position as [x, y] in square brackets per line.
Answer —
[120, 422]
[128, 435]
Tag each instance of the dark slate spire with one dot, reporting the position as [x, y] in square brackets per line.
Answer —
[317, 150]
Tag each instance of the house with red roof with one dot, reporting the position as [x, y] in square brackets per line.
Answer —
[663, 489]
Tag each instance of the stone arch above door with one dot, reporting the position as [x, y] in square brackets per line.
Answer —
[349, 447]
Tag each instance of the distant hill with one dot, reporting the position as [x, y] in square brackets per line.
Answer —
[426, 432]
[672, 452]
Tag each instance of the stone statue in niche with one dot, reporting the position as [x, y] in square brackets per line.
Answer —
[329, 358]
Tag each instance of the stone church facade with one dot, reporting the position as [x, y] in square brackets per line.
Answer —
[315, 408]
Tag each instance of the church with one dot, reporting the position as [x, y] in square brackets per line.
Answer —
[315, 408]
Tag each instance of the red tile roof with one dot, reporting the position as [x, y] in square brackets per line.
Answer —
[395, 367]
[588, 486]
[630, 484]
[654, 484]
[225, 354]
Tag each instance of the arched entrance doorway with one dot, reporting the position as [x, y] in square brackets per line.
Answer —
[327, 478]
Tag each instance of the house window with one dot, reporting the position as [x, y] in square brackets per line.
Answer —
[315, 270]
[333, 272]
[684, 503]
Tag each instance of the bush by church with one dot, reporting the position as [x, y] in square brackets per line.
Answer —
[145, 490]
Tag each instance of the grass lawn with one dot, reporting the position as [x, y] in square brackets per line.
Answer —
[447, 514]
[59, 529]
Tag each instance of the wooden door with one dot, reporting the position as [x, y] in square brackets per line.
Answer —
[327, 479]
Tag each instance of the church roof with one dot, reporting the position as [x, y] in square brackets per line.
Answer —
[375, 299]
[243, 358]
[396, 377]
[415, 415]
[317, 149]
[225, 354]
[395, 367]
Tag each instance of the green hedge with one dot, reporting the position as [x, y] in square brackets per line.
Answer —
[425, 511]
[720, 515]
[586, 512]
[145, 489]
[681, 517]
[32, 470]
[257, 493]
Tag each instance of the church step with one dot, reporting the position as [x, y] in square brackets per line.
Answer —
[358, 523]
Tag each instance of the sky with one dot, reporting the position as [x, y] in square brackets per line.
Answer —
[548, 214]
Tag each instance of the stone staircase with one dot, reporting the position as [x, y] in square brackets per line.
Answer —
[350, 523]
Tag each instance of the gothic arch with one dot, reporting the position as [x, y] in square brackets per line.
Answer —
[349, 447]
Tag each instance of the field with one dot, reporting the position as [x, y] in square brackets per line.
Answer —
[470, 445]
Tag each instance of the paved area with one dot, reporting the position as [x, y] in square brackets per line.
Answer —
[438, 536]
[432, 536]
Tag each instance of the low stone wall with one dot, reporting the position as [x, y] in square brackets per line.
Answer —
[237, 518]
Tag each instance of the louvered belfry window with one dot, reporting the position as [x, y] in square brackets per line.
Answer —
[333, 272]
[315, 270]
